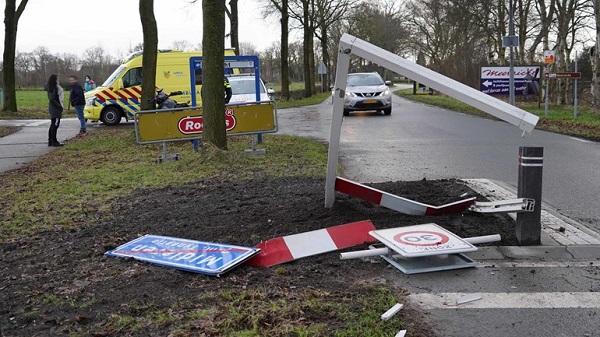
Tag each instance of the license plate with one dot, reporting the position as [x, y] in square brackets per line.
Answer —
[370, 101]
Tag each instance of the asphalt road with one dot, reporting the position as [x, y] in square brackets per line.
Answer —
[419, 141]
[536, 298]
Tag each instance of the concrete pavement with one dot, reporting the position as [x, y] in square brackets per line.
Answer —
[31, 141]
[525, 291]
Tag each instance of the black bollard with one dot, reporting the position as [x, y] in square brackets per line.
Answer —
[531, 165]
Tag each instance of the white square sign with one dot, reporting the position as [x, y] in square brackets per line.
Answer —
[422, 240]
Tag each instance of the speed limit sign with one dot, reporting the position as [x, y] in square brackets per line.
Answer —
[422, 240]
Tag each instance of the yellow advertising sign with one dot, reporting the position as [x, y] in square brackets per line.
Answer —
[549, 56]
[177, 124]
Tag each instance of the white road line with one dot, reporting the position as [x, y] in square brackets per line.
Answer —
[509, 300]
[38, 123]
[580, 140]
[540, 264]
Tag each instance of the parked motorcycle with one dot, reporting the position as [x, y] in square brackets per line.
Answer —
[164, 101]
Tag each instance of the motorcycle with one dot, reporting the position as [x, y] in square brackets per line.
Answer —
[164, 101]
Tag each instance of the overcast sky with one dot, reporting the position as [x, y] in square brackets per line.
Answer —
[75, 25]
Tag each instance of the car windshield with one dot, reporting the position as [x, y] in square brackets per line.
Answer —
[109, 81]
[244, 86]
[364, 80]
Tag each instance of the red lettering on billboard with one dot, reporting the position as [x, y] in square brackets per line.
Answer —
[195, 124]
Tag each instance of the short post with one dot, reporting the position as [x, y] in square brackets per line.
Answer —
[531, 164]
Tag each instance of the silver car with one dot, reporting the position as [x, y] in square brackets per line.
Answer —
[367, 91]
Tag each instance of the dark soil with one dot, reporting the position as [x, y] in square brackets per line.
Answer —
[60, 283]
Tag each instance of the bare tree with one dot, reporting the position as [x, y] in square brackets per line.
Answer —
[282, 6]
[150, 32]
[596, 57]
[12, 14]
[213, 100]
[234, 20]
[180, 45]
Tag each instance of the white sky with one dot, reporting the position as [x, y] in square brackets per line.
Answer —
[75, 25]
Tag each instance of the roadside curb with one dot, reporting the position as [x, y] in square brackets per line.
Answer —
[577, 252]
[557, 229]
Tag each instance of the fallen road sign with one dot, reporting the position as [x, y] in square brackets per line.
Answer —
[422, 240]
[293, 247]
[573, 75]
[195, 256]
[397, 203]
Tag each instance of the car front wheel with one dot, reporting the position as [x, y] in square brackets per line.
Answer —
[111, 116]
[346, 112]
[387, 111]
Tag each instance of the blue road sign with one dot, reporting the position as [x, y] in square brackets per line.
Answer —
[195, 256]
[495, 80]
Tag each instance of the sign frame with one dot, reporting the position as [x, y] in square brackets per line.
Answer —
[420, 246]
[253, 63]
[139, 114]
[185, 248]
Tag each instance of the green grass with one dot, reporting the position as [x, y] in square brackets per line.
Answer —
[316, 99]
[560, 117]
[33, 104]
[293, 86]
[83, 178]
[271, 312]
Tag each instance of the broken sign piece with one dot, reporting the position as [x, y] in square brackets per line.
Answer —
[401, 333]
[467, 298]
[195, 256]
[292, 247]
[392, 311]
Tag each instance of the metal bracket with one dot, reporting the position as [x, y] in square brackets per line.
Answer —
[504, 206]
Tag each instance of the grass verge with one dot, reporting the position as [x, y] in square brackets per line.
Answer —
[33, 104]
[316, 99]
[7, 130]
[75, 184]
[560, 118]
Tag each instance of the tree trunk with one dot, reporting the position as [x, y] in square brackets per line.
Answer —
[285, 50]
[150, 52]
[326, 59]
[308, 37]
[12, 14]
[596, 58]
[213, 98]
[234, 22]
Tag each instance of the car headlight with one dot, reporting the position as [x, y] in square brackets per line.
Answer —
[386, 92]
[350, 94]
[90, 101]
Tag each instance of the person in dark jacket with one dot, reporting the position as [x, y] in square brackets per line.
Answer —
[78, 102]
[55, 108]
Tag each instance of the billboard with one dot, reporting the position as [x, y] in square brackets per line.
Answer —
[188, 123]
[495, 80]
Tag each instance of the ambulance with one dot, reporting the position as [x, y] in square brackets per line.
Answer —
[119, 96]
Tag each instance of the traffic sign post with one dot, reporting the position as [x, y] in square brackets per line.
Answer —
[565, 75]
[531, 164]
[194, 256]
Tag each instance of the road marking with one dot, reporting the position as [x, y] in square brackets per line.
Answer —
[580, 140]
[509, 300]
[540, 264]
[38, 123]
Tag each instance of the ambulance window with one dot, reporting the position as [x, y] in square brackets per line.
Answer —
[198, 76]
[133, 77]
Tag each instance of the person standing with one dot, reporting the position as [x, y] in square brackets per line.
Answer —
[89, 83]
[55, 108]
[77, 98]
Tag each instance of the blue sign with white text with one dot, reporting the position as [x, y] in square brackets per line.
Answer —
[189, 255]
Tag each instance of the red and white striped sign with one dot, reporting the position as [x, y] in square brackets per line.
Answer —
[293, 247]
[397, 203]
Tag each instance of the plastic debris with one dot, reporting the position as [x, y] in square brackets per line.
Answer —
[401, 333]
[392, 311]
